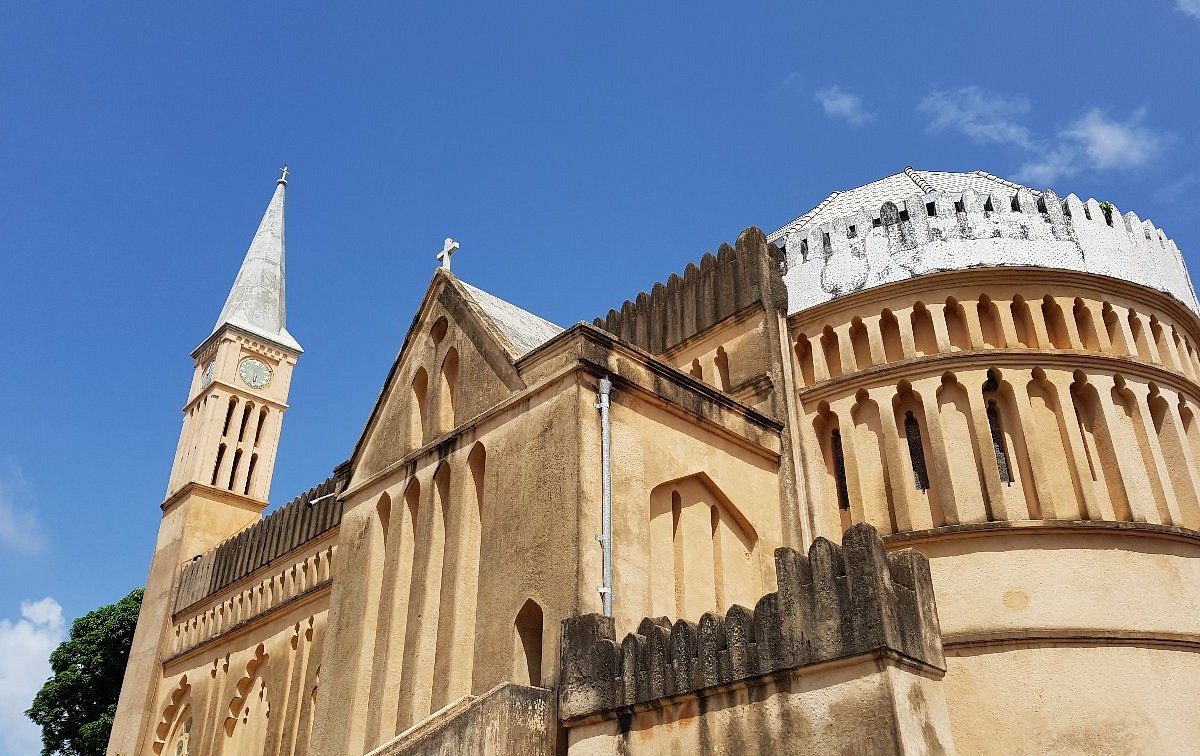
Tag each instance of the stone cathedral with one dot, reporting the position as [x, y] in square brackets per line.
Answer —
[914, 474]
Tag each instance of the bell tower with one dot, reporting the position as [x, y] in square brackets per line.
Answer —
[223, 465]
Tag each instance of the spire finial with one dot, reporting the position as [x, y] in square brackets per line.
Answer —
[449, 247]
[283, 178]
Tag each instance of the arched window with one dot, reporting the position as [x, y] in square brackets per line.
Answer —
[420, 392]
[1112, 326]
[245, 421]
[916, 450]
[1139, 337]
[262, 420]
[956, 325]
[1056, 324]
[1023, 323]
[1085, 325]
[989, 323]
[217, 465]
[233, 469]
[250, 473]
[893, 346]
[924, 337]
[996, 431]
[861, 344]
[839, 469]
[804, 356]
[449, 387]
[832, 352]
[228, 415]
[246, 724]
[437, 332]
[527, 645]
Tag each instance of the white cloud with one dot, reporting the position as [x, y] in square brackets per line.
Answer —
[838, 103]
[1190, 7]
[19, 527]
[25, 647]
[1113, 144]
[983, 116]
[1095, 141]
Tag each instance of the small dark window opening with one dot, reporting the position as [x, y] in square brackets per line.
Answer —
[1066, 209]
[217, 466]
[1014, 204]
[803, 250]
[852, 232]
[904, 214]
[916, 451]
[1041, 205]
[993, 418]
[960, 206]
[825, 241]
[931, 209]
[1087, 212]
[839, 469]
[988, 207]
[876, 222]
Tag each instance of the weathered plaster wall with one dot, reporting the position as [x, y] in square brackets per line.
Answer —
[1074, 698]
[857, 707]
[509, 720]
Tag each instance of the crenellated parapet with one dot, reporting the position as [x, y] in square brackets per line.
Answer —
[939, 231]
[836, 602]
[723, 284]
[310, 514]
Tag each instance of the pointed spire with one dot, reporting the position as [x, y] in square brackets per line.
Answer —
[256, 303]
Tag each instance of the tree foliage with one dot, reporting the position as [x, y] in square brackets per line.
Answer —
[75, 708]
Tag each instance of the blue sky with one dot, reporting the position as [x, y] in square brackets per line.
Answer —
[579, 151]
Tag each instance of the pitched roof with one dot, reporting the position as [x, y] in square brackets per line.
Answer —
[256, 301]
[523, 330]
[896, 188]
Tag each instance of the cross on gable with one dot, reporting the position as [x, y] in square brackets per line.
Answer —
[448, 249]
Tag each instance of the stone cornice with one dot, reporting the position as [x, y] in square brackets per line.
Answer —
[924, 366]
[1023, 276]
[913, 538]
[229, 497]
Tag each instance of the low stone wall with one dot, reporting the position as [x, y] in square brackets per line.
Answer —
[508, 720]
[851, 636]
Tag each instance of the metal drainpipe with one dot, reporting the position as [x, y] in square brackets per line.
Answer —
[605, 537]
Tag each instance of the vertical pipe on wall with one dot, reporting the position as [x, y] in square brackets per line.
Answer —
[605, 537]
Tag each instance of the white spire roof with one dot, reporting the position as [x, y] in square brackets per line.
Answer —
[256, 303]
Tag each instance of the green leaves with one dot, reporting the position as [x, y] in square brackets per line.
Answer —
[75, 708]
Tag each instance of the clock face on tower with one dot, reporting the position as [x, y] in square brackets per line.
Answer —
[254, 373]
[207, 377]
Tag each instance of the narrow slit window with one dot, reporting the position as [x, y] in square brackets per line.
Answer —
[250, 473]
[988, 207]
[839, 469]
[916, 451]
[931, 209]
[217, 465]
[997, 432]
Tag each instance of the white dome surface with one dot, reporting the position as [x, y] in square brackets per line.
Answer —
[917, 222]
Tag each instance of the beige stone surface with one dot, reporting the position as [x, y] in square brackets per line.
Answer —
[1032, 431]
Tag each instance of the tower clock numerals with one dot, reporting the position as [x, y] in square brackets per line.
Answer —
[254, 373]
